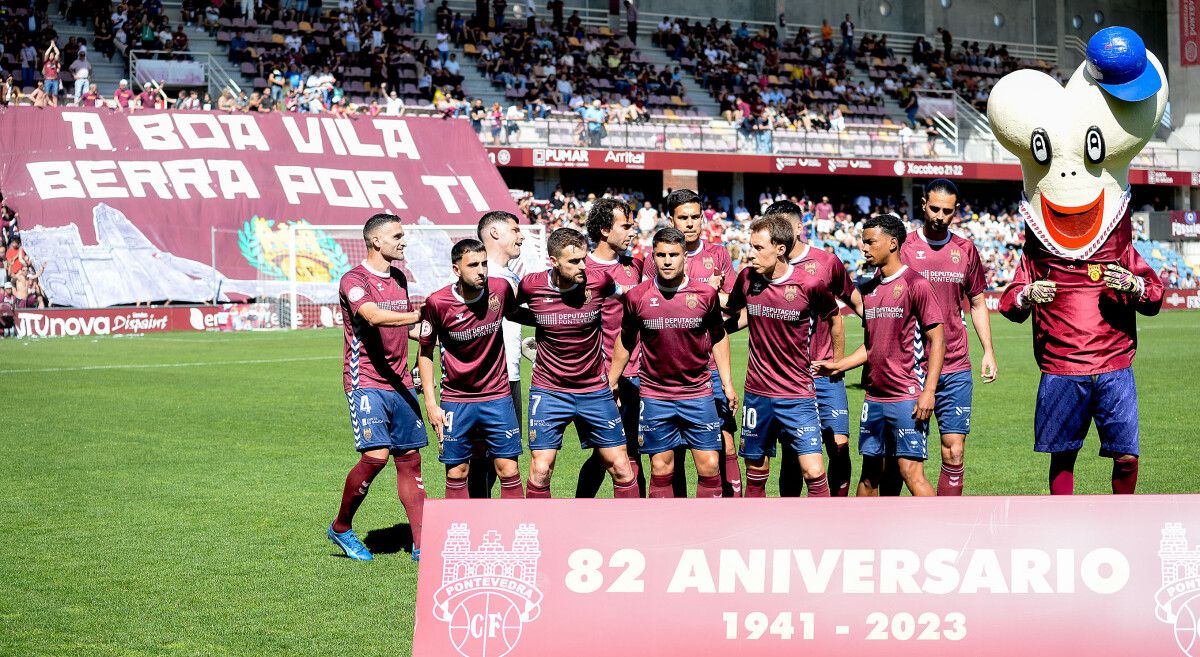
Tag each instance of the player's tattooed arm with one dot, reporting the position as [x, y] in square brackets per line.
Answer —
[437, 417]
[981, 319]
[376, 316]
[935, 338]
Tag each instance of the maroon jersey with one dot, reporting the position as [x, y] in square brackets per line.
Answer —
[374, 356]
[954, 270]
[1088, 328]
[569, 332]
[896, 312]
[780, 314]
[828, 271]
[473, 365]
[701, 263]
[626, 271]
[677, 329]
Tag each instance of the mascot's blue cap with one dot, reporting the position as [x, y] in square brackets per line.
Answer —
[1116, 60]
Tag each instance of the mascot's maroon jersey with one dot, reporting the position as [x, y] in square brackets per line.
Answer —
[1088, 328]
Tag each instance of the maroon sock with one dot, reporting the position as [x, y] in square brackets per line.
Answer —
[818, 487]
[510, 488]
[709, 486]
[456, 489]
[1124, 476]
[756, 482]
[1062, 473]
[662, 485]
[950, 482]
[839, 470]
[411, 488]
[355, 490]
[535, 492]
[627, 490]
[733, 476]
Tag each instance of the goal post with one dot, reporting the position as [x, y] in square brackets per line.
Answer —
[318, 256]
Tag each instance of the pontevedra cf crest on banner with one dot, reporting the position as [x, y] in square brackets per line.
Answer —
[488, 593]
[1179, 598]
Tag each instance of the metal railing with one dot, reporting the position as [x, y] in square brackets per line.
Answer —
[216, 78]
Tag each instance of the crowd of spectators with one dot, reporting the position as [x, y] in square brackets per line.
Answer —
[19, 278]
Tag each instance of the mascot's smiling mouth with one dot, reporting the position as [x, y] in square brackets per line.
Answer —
[1073, 227]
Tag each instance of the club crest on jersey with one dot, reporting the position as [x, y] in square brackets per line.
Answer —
[1094, 272]
[493, 303]
[898, 290]
[709, 263]
[426, 329]
[587, 296]
[810, 267]
[488, 593]
[628, 271]
[955, 255]
[790, 292]
[692, 300]
[920, 254]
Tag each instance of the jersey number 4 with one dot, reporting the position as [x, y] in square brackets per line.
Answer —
[364, 404]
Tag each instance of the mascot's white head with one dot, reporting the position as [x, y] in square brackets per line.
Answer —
[1075, 143]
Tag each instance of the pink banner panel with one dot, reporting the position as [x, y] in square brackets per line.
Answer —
[976, 576]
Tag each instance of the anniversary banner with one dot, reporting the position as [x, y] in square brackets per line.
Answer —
[122, 207]
[976, 576]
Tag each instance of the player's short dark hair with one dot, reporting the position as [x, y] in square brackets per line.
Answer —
[561, 238]
[602, 216]
[681, 197]
[494, 217]
[669, 235]
[778, 227]
[376, 222]
[888, 223]
[786, 209]
[941, 185]
[463, 247]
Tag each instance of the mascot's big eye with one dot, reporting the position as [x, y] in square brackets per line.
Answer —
[1093, 145]
[1039, 145]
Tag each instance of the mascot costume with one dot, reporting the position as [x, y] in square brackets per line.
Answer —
[1079, 276]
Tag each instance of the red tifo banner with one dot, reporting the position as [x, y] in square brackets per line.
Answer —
[617, 158]
[172, 176]
[979, 576]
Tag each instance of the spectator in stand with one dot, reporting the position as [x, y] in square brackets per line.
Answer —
[594, 118]
[122, 96]
[512, 117]
[81, 70]
[50, 69]
[91, 97]
[8, 311]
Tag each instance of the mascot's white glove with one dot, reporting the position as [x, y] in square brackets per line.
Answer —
[529, 349]
[1038, 292]
[1123, 280]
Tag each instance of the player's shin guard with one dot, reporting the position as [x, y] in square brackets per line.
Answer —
[662, 486]
[591, 476]
[732, 476]
[355, 489]
[756, 482]
[818, 487]
[1062, 473]
[709, 486]
[950, 481]
[839, 468]
[456, 488]
[627, 490]
[510, 488]
[411, 488]
[535, 492]
[1124, 476]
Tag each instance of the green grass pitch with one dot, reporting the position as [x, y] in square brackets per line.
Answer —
[168, 495]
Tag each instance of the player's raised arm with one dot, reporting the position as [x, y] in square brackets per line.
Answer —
[981, 319]
[380, 317]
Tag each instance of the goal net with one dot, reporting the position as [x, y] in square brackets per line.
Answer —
[318, 256]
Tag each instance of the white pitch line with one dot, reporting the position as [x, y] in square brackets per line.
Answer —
[259, 361]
